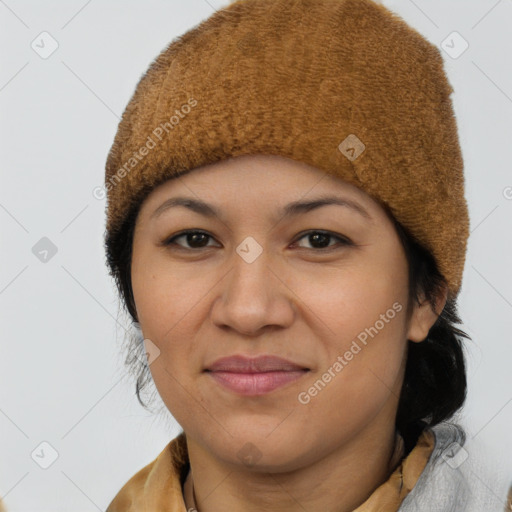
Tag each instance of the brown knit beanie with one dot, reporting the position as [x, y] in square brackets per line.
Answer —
[343, 85]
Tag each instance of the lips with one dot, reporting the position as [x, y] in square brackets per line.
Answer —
[260, 364]
[254, 376]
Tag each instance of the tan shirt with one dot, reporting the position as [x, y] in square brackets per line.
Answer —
[161, 484]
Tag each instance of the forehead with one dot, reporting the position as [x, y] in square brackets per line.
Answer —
[266, 180]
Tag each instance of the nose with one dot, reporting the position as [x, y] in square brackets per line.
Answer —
[252, 297]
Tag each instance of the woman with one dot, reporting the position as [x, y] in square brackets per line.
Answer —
[287, 227]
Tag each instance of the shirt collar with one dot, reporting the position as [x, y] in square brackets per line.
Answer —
[163, 489]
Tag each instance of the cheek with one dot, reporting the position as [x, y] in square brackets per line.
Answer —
[362, 374]
[364, 309]
[367, 327]
[351, 299]
[165, 295]
[172, 304]
[172, 307]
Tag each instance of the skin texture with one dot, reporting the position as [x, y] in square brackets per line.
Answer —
[198, 300]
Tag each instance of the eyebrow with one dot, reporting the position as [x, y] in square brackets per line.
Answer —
[290, 210]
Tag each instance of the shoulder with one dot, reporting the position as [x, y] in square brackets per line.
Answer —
[130, 496]
[156, 483]
[458, 476]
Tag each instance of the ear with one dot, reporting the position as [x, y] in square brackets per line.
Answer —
[423, 318]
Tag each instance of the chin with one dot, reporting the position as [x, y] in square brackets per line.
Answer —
[261, 451]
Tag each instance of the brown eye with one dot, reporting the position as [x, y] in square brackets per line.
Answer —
[321, 239]
[194, 239]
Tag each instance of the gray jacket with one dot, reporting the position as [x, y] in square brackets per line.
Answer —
[458, 478]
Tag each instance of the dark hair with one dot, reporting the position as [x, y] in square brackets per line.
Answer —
[434, 385]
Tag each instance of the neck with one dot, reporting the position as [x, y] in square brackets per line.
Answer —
[339, 482]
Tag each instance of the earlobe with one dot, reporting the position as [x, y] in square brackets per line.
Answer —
[423, 317]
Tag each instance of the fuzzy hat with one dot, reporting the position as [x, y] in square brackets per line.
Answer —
[343, 85]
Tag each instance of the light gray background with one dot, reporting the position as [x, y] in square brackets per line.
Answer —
[63, 380]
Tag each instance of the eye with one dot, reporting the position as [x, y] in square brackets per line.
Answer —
[320, 239]
[199, 239]
[195, 239]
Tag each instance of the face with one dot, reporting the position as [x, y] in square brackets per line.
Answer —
[323, 286]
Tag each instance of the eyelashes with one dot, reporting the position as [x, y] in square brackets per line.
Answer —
[188, 234]
[201, 238]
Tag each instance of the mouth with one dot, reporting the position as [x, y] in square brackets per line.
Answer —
[255, 376]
